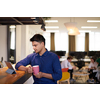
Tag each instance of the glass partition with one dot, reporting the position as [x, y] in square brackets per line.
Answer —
[11, 43]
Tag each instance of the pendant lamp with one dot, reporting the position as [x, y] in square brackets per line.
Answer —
[72, 29]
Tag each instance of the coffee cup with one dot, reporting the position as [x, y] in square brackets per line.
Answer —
[35, 69]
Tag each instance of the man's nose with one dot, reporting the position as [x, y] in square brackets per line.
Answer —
[33, 47]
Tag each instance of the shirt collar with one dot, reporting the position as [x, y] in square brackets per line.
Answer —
[43, 54]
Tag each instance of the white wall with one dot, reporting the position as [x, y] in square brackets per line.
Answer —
[18, 43]
[3, 43]
[23, 44]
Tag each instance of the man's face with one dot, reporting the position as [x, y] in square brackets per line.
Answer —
[69, 60]
[92, 60]
[37, 46]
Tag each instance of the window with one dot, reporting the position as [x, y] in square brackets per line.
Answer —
[11, 40]
[94, 40]
[80, 42]
[12, 43]
[61, 42]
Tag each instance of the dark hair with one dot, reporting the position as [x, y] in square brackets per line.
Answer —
[93, 58]
[69, 57]
[38, 38]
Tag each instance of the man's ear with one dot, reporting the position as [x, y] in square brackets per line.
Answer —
[42, 43]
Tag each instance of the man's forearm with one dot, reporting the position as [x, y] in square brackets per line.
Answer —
[41, 74]
[47, 75]
[23, 68]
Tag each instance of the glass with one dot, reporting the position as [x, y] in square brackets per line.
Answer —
[12, 45]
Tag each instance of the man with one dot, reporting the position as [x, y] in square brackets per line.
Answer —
[49, 65]
[92, 70]
[98, 72]
[66, 64]
[98, 62]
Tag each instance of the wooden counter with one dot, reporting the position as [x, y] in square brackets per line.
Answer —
[19, 78]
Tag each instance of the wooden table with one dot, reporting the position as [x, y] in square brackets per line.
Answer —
[83, 76]
[19, 78]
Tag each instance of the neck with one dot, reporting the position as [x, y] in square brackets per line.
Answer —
[42, 51]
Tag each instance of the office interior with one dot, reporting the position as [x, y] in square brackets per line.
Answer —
[15, 44]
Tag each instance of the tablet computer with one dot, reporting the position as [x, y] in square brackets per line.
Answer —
[9, 65]
[11, 69]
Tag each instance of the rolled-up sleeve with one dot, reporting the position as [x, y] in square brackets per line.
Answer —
[57, 75]
[23, 62]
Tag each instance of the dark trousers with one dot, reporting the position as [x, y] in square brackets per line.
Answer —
[70, 71]
[92, 75]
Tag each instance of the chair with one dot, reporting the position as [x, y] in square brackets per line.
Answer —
[65, 76]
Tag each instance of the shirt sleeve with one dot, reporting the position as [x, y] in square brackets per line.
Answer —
[98, 60]
[24, 62]
[96, 64]
[90, 65]
[57, 72]
[64, 64]
[70, 66]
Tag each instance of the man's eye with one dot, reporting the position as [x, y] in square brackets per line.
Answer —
[34, 45]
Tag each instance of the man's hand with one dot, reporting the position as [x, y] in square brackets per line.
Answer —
[74, 67]
[30, 69]
[39, 75]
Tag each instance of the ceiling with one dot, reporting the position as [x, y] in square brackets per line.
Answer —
[81, 21]
[21, 21]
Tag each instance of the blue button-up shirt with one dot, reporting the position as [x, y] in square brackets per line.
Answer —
[48, 63]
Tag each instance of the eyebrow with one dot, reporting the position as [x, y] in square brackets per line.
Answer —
[34, 45]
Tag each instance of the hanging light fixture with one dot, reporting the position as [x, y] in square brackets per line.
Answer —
[72, 29]
[70, 25]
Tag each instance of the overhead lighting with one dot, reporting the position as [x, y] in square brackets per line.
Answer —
[43, 27]
[93, 20]
[33, 18]
[73, 32]
[84, 30]
[51, 20]
[52, 30]
[12, 26]
[70, 25]
[51, 26]
[36, 20]
[89, 27]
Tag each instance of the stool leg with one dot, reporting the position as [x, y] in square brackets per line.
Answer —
[68, 81]
[57, 82]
